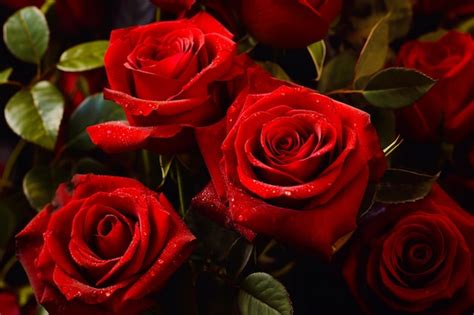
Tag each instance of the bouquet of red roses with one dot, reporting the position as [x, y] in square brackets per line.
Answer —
[237, 157]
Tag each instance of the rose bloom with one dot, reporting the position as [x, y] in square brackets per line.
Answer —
[170, 77]
[414, 258]
[105, 248]
[289, 23]
[447, 110]
[289, 163]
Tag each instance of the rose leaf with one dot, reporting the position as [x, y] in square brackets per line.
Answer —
[35, 114]
[317, 52]
[260, 293]
[394, 88]
[83, 57]
[26, 34]
[40, 183]
[400, 186]
[374, 53]
[338, 72]
[5, 75]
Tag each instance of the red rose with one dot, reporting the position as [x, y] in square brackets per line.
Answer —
[18, 4]
[170, 78]
[9, 304]
[175, 6]
[292, 164]
[289, 23]
[447, 110]
[104, 249]
[414, 257]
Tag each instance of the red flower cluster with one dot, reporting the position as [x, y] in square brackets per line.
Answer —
[284, 161]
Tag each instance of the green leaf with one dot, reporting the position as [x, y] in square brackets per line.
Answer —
[260, 293]
[40, 183]
[47, 5]
[93, 110]
[165, 164]
[26, 34]
[42, 311]
[384, 122]
[246, 44]
[395, 88]
[5, 75]
[318, 54]
[433, 36]
[338, 72]
[275, 69]
[374, 53]
[401, 13]
[83, 57]
[36, 114]
[400, 186]
[466, 26]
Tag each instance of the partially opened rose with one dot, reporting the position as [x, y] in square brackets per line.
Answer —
[447, 110]
[169, 77]
[414, 258]
[292, 164]
[289, 23]
[105, 248]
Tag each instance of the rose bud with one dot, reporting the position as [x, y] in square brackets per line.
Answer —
[291, 164]
[170, 77]
[447, 110]
[414, 258]
[105, 248]
[289, 23]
